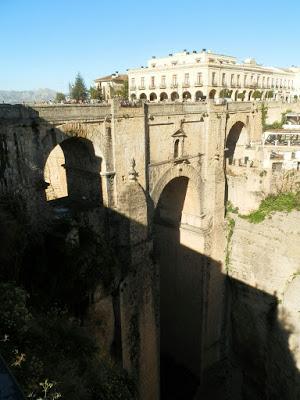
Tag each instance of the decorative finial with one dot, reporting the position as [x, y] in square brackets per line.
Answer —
[132, 173]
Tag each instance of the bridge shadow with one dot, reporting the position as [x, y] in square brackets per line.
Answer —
[219, 338]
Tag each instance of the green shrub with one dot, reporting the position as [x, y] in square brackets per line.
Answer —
[274, 203]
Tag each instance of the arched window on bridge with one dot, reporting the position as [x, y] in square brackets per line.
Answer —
[176, 148]
[72, 172]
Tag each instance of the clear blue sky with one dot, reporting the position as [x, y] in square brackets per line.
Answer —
[44, 43]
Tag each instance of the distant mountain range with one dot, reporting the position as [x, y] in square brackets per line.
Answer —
[26, 96]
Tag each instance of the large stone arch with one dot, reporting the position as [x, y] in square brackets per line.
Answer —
[179, 253]
[180, 170]
[71, 165]
[56, 135]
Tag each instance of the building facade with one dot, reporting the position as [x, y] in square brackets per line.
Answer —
[196, 76]
[111, 85]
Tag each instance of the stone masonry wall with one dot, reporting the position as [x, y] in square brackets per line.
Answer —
[264, 267]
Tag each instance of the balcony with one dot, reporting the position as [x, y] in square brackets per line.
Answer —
[185, 85]
[162, 86]
[132, 87]
[253, 86]
[174, 85]
[233, 84]
[151, 87]
[142, 87]
[214, 84]
[198, 84]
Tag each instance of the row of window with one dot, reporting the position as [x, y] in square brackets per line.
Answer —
[163, 83]
[252, 80]
[235, 80]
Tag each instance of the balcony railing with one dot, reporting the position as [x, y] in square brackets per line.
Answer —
[197, 84]
[133, 87]
[162, 86]
[214, 84]
[185, 85]
[174, 85]
[232, 84]
[142, 87]
[151, 87]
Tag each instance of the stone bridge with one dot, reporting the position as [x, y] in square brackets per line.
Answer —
[159, 171]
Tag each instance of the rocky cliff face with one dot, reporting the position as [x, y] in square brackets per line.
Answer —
[264, 267]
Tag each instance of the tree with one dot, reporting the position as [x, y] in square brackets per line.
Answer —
[242, 95]
[124, 92]
[225, 93]
[60, 97]
[95, 93]
[257, 94]
[121, 92]
[78, 90]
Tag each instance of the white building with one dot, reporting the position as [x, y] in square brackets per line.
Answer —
[198, 75]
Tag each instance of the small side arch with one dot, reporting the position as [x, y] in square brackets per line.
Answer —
[163, 96]
[174, 96]
[153, 96]
[199, 95]
[186, 95]
[212, 94]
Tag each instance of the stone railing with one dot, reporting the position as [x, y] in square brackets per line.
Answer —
[68, 112]
[240, 106]
[16, 112]
[176, 108]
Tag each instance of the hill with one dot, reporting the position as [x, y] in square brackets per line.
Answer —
[26, 96]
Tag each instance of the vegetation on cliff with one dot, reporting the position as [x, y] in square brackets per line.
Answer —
[283, 202]
[47, 281]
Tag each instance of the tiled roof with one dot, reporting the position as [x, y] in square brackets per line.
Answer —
[120, 78]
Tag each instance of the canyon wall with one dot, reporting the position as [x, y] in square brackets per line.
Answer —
[264, 267]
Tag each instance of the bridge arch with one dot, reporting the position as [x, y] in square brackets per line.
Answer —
[180, 260]
[72, 173]
[236, 140]
[181, 170]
